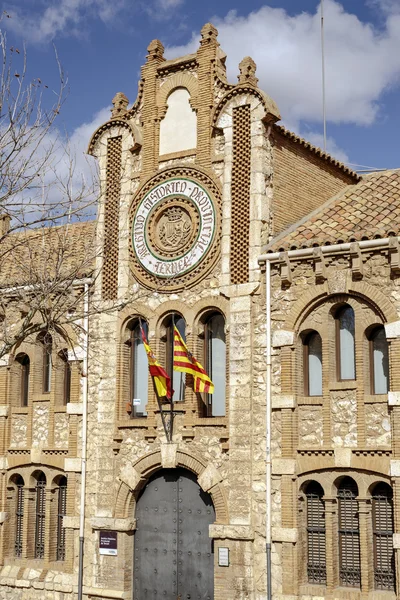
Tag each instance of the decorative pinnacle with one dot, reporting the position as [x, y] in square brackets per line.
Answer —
[247, 69]
[120, 104]
[155, 51]
[208, 33]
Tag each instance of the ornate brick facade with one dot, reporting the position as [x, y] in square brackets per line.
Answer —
[182, 232]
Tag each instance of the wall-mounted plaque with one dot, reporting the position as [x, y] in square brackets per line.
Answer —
[108, 543]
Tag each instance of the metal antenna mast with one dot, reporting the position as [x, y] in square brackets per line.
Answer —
[323, 72]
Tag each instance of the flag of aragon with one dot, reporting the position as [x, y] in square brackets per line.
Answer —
[161, 378]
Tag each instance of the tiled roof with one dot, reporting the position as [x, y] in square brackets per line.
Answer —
[367, 210]
[315, 150]
[64, 252]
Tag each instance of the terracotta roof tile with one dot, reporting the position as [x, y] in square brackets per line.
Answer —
[369, 209]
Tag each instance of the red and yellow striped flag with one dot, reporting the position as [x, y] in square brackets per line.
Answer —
[185, 361]
[161, 378]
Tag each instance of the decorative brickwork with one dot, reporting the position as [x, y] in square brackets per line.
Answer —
[240, 231]
[111, 219]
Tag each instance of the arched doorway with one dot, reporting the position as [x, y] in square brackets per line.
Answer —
[173, 557]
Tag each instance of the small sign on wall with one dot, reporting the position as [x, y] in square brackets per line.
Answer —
[223, 557]
[108, 543]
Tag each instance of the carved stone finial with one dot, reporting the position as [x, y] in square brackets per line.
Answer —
[247, 69]
[120, 104]
[155, 51]
[208, 33]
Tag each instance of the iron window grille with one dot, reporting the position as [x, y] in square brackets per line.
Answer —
[349, 534]
[19, 517]
[316, 535]
[40, 516]
[382, 519]
[61, 512]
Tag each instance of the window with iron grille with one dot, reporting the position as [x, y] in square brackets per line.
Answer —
[382, 522]
[19, 516]
[62, 508]
[349, 534]
[40, 515]
[316, 537]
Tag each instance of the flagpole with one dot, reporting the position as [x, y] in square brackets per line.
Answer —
[171, 416]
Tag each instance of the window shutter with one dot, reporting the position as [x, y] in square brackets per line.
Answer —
[19, 518]
[316, 539]
[62, 509]
[349, 534]
[382, 518]
[40, 516]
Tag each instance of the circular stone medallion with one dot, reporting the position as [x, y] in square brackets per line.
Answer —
[173, 227]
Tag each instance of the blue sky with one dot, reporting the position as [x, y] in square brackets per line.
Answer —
[102, 44]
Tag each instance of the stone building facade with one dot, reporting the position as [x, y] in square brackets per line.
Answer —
[197, 181]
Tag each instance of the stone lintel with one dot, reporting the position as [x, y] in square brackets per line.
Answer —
[93, 592]
[3, 516]
[70, 522]
[284, 534]
[395, 468]
[73, 465]
[3, 463]
[283, 401]
[168, 455]
[394, 398]
[283, 466]
[396, 540]
[110, 524]
[75, 408]
[343, 457]
[392, 330]
[232, 532]
[281, 337]
[209, 477]
[237, 290]
[4, 410]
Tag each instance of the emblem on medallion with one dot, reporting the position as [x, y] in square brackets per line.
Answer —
[173, 227]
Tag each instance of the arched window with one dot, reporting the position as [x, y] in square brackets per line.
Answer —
[47, 347]
[66, 376]
[40, 529]
[178, 379]
[382, 525]
[379, 353]
[139, 371]
[313, 364]
[345, 343]
[316, 537]
[61, 512]
[215, 364]
[25, 365]
[19, 516]
[349, 534]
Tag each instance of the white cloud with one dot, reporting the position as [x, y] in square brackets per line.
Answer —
[168, 4]
[64, 16]
[362, 61]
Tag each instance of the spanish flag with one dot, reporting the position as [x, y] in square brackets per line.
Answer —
[186, 362]
[161, 378]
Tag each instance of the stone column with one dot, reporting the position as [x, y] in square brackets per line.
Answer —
[332, 572]
[366, 564]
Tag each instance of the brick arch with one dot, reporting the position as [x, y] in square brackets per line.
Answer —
[141, 471]
[133, 130]
[179, 80]
[271, 111]
[312, 297]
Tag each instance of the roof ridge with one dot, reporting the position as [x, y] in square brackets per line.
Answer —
[316, 150]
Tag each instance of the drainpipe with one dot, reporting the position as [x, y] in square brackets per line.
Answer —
[268, 430]
[274, 258]
[84, 438]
